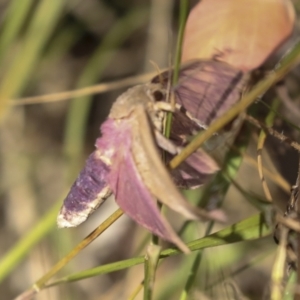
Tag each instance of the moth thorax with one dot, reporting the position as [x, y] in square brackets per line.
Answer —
[157, 118]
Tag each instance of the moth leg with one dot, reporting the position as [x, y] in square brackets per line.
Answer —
[166, 144]
[189, 115]
[162, 105]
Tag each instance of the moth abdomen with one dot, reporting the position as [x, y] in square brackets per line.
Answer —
[87, 193]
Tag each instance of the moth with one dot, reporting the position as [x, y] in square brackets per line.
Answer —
[127, 160]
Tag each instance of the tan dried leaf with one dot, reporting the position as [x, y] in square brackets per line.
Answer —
[242, 33]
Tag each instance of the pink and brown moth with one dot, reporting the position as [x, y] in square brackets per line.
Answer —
[127, 160]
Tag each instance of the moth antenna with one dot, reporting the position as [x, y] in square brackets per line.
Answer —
[157, 69]
[169, 97]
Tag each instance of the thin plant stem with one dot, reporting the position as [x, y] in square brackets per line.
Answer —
[167, 129]
[182, 21]
[150, 266]
[248, 229]
[40, 284]
[85, 91]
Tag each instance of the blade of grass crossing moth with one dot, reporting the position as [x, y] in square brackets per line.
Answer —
[182, 21]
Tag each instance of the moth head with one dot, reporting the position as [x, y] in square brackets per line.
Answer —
[157, 106]
[145, 94]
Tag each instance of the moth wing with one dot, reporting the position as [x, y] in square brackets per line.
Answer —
[196, 170]
[198, 167]
[155, 175]
[207, 89]
[136, 201]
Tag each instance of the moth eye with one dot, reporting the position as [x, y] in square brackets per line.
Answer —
[158, 95]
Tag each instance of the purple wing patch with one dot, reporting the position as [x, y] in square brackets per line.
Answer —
[194, 171]
[208, 89]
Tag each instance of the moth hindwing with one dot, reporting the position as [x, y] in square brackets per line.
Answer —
[205, 90]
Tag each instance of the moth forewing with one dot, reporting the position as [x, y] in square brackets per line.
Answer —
[131, 193]
[154, 173]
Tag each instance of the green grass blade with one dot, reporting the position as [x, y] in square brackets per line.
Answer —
[191, 278]
[60, 264]
[151, 260]
[38, 33]
[182, 20]
[15, 255]
[14, 19]
[248, 229]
